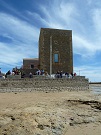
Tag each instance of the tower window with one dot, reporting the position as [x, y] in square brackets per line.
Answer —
[56, 57]
[32, 66]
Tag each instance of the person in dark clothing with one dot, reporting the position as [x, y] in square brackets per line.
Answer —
[72, 75]
[61, 74]
[30, 75]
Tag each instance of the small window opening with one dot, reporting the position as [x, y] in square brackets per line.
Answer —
[32, 66]
[56, 58]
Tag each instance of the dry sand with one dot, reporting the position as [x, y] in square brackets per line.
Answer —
[55, 113]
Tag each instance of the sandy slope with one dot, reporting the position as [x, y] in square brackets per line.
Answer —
[55, 113]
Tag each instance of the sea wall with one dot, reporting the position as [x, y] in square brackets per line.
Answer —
[43, 84]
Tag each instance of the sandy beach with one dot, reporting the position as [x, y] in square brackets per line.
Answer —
[50, 113]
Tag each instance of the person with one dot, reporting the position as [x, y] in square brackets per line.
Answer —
[46, 73]
[13, 73]
[67, 75]
[61, 74]
[71, 75]
[30, 75]
[74, 74]
[42, 71]
[0, 71]
[58, 74]
[38, 72]
[9, 72]
[3, 77]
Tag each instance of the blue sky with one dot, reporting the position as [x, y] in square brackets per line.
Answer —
[21, 20]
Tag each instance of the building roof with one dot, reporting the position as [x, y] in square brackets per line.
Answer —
[30, 58]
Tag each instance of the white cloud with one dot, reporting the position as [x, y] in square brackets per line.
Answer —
[15, 54]
[96, 16]
[66, 16]
[91, 72]
[10, 8]
[59, 14]
[59, 17]
[18, 28]
[89, 2]
[36, 17]
[83, 47]
[24, 39]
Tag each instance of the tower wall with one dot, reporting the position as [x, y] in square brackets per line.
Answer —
[61, 42]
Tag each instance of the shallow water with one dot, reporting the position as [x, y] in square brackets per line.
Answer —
[96, 89]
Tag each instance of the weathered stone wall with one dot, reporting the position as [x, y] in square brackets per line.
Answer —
[30, 65]
[61, 44]
[13, 76]
[27, 62]
[43, 84]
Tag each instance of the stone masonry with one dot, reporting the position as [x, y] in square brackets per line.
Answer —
[30, 65]
[61, 46]
[43, 84]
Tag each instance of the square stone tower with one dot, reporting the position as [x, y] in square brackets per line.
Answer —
[55, 50]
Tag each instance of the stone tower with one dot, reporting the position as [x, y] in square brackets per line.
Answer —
[55, 50]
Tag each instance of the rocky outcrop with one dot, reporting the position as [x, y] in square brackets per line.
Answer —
[42, 119]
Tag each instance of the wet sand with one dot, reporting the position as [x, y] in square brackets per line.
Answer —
[53, 113]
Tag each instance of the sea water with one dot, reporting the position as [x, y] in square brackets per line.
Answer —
[96, 89]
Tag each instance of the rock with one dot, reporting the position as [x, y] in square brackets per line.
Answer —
[12, 118]
[41, 127]
[71, 124]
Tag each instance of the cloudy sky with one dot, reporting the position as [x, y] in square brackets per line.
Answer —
[21, 20]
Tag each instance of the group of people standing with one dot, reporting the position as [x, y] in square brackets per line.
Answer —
[14, 72]
[60, 74]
